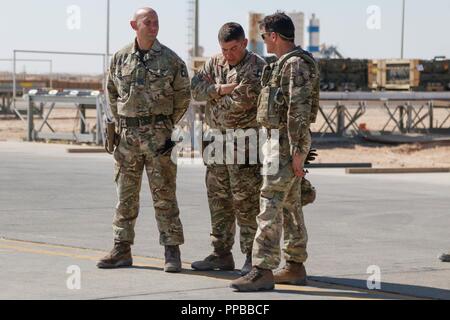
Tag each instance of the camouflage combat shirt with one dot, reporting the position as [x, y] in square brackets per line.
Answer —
[238, 109]
[147, 84]
[297, 82]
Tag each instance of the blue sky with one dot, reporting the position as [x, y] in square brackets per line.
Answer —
[42, 25]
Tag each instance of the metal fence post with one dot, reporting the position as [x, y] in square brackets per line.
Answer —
[409, 111]
[431, 113]
[401, 118]
[30, 124]
[82, 117]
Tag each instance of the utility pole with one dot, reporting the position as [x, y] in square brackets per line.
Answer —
[106, 58]
[196, 53]
[403, 29]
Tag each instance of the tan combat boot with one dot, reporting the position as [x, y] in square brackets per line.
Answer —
[247, 267]
[172, 259]
[120, 256]
[256, 280]
[215, 261]
[291, 273]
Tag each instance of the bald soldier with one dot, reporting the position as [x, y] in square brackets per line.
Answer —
[148, 91]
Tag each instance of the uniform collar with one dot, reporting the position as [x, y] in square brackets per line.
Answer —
[154, 50]
[296, 48]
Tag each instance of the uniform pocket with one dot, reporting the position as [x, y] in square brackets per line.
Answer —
[163, 103]
[125, 79]
[162, 94]
[268, 114]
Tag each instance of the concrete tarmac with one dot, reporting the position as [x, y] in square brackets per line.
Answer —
[56, 210]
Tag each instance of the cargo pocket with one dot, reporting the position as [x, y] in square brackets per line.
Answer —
[168, 98]
[125, 79]
[164, 104]
[162, 93]
[118, 159]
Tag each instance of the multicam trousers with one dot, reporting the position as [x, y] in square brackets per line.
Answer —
[280, 208]
[138, 150]
[233, 195]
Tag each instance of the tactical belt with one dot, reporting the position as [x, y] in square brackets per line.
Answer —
[128, 122]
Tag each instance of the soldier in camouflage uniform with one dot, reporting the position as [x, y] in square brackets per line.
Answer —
[289, 94]
[148, 91]
[230, 83]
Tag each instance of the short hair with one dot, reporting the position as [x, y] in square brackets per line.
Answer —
[280, 23]
[231, 31]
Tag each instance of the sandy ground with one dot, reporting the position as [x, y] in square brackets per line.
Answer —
[403, 156]
[380, 156]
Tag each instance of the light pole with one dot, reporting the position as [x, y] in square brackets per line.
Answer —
[107, 31]
[403, 29]
[106, 58]
[196, 51]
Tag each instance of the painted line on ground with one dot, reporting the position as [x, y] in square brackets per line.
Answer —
[141, 261]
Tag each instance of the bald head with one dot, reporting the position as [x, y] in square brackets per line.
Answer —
[142, 12]
[145, 23]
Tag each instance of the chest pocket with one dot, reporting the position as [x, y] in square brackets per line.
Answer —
[125, 79]
[159, 90]
[270, 102]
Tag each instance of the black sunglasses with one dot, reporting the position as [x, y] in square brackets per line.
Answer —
[263, 35]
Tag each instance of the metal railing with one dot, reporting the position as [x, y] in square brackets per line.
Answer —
[406, 111]
[78, 100]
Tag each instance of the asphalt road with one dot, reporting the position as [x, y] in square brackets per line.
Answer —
[56, 211]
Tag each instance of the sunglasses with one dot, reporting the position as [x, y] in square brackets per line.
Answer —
[263, 35]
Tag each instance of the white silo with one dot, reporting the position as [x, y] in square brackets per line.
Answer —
[298, 18]
[314, 35]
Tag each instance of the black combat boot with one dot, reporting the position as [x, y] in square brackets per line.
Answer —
[173, 259]
[247, 265]
[120, 256]
[215, 261]
[256, 280]
[445, 257]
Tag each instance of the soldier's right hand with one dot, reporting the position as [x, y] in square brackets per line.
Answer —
[297, 165]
